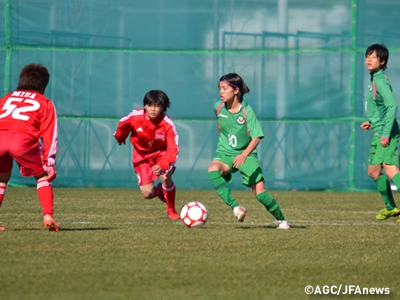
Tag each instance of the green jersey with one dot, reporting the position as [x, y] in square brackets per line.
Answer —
[381, 106]
[236, 130]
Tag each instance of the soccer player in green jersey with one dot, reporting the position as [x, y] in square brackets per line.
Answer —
[239, 135]
[381, 113]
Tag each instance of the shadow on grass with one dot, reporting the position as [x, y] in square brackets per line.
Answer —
[87, 229]
[271, 227]
[62, 229]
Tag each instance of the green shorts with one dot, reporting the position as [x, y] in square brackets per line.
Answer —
[250, 170]
[389, 155]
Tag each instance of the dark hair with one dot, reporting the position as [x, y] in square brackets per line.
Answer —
[236, 81]
[157, 98]
[34, 77]
[381, 52]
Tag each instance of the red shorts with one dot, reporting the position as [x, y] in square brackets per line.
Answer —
[24, 149]
[142, 164]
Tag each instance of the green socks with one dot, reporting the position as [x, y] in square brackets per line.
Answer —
[222, 188]
[396, 181]
[383, 186]
[271, 205]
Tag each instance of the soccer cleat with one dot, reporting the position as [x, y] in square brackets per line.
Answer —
[2, 228]
[283, 224]
[172, 214]
[385, 214]
[240, 213]
[50, 223]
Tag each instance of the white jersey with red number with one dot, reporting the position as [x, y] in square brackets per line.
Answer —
[31, 113]
[148, 136]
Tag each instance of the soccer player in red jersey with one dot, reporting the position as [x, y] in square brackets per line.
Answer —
[29, 135]
[155, 147]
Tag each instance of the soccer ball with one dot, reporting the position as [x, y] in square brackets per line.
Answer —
[194, 214]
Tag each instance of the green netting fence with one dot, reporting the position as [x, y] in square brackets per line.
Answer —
[302, 59]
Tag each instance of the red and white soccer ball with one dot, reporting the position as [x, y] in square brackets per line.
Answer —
[194, 214]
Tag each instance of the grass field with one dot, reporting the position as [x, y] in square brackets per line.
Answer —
[116, 245]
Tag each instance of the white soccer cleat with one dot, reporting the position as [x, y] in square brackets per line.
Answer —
[283, 224]
[240, 213]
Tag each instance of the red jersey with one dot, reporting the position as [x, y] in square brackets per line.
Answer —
[31, 113]
[148, 136]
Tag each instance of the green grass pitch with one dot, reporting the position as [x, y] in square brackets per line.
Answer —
[114, 244]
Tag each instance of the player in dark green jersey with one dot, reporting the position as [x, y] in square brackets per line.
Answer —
[239, 135]
[381, 112]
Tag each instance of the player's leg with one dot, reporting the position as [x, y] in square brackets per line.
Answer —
[158, 192]
[150, 191]
[220, 174]
[161, 191]
[390, 160]
[147, 190]
[391, 210]
[27, 153]
[376, 158]
[396, 180]
[4, 178]
[253, 177]
[6, 164]
[270, 204]
[169, 192]
[382, 185]
[46, 198]
[142, 165]
[146, 180]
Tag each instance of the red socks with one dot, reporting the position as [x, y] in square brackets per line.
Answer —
[169, 195]
[2, 192]
[45, 195]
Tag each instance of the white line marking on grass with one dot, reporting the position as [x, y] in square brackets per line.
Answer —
[332, 211]
[342, 223]
[83, 222]
[294, 223]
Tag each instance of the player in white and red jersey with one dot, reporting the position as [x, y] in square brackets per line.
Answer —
[155, 147]
[29, 135]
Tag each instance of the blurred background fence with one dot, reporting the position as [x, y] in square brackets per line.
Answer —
[302, 59]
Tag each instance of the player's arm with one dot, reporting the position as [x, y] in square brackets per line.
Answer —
[172, 152]
[256, 134]
[49, 136]
[384, 89]
[216, 111]
[241, 158]
[123, 130]
[253, 126]
[252, 146]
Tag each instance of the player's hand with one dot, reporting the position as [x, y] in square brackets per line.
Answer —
[384, 142]
[365, 126]
[239, 160]
[156, 170]
[51, 173]
[121, 143]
